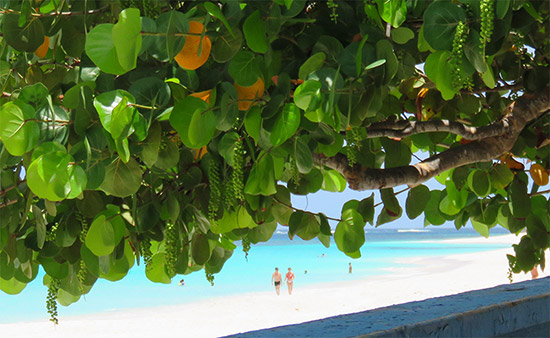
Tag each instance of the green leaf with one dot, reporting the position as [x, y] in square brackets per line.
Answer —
[254, 33]
[156, 271]
[473, 51]
[101, 49]
[502, 8]
[286, 124]
[437, 69]
[169, 44]
[151, 145]
[479, 183]
[253, 122]
[227, 46]
[431, 212]
[481, 228]
[116, 112]
[384, 50]
[216, 12]
[333, 181]
[262, 177]
[417, 199]
[127, 38]
[520, 203]
[11, 286]
[25, 38]
[217, 259]
[52, 175]
[393, 11]
[305, 225]
[455, 199]
[244, 68]
[307, 96]
[537, 231]
[194, 122]
[391, 204]
[397, 153]
[312, 64]
[200, 249]
[303, 156]
[17, 133]
[402, 35]
[238, 219]
[501, 176]
[100, 238]
[349, 234]
[117, 172]
[36, 95]
[440, 21]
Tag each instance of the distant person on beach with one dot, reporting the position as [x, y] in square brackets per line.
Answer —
[534, 273]
[350, 268]
[181, 283]
[289, 278]
[276, 279]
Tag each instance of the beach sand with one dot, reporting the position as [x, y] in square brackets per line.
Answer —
[422, 278]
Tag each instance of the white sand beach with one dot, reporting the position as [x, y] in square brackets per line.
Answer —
[422, 278]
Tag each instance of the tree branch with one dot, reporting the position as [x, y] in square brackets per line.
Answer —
[526, 108]
[404, 128]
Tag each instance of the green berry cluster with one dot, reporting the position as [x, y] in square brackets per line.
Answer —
[353, 139]
[84, 224]
[146, 251]
[215, 190]
[294, 173]
[50, 234]
[236, 184]
[81, 275]
[209, 277]
[171, 249]
[487, 21]
[246, 247]
[51, 300]
[457, 54]
[333, 6]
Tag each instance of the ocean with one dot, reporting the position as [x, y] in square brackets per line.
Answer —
[310, 261]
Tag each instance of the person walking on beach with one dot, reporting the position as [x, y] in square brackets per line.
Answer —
[350, 268]
[289, 278]
[276, 279]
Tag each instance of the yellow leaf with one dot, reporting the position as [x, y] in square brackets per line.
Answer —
[539, 174]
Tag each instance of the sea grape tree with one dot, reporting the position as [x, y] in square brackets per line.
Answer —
[162, 132]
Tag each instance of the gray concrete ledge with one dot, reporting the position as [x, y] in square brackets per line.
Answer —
[511, 310]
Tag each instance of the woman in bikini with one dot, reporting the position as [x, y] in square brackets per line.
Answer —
[289, 278]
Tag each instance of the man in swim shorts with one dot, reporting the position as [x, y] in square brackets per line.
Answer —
[276, 279]
[289, 278]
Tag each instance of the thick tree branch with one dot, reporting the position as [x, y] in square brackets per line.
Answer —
[526, 109]
[404, 128]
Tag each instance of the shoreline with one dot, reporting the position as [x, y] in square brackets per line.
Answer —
[416, 278]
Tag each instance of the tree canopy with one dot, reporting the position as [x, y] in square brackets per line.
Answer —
[162, 132]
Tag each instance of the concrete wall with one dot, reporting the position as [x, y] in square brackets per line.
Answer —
[512, 310]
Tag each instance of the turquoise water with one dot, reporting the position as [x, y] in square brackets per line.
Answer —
[241, 275]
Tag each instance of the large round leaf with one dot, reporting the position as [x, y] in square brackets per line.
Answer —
[305, 225]
[286, 124]
[308, 95]
[440, 21]
[479, 183]
[194, 122]
[100, 238]
[116, 112]
[417, 199]
[155, 271]
[244, 68]
[127, 38]
[101, 49]
[12, 286]
[122, 179]
[349, 234]
[200, 250]
[254, 33]
[17, 133]
[24, 38]
[262, 177]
